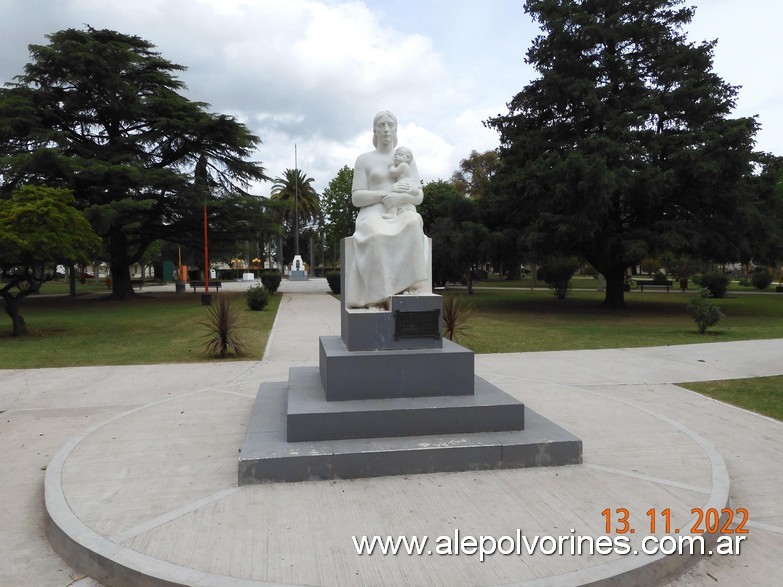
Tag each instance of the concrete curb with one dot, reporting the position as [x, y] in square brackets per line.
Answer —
[113, 564]
[101, 558]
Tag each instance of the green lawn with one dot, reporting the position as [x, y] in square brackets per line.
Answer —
[763, 395]
[588, 282]
[63, 287]
[161, 327]
[157, 327]
[524, 320]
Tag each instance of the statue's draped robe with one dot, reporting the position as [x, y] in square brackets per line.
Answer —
[390, 256]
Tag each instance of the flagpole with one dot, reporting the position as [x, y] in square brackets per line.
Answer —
[296, 200]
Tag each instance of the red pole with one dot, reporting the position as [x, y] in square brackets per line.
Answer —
[206, 253]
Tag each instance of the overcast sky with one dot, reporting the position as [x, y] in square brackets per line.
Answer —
[314, 73]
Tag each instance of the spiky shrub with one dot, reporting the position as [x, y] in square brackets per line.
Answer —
[257, 298]
[333, 279]
[222, 323]
[455, 317]
[271, 280]
[703, 311]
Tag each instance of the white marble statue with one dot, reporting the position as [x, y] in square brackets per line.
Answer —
[390, 249]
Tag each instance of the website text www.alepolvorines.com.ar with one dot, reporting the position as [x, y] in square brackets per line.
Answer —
[520, 544]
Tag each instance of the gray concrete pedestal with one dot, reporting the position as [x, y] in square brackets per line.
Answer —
[353, 375]
[391, 397]
[267, 456]
[311, 416]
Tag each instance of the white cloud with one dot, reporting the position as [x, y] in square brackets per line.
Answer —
[749, 42]
[433, 154]
[314, 72]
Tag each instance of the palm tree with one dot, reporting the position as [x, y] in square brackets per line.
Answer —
[295, 186]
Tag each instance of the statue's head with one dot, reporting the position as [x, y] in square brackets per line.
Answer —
[381, 119]
[403, 155]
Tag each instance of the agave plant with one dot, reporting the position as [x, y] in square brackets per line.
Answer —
[222, 322]
[455, 317]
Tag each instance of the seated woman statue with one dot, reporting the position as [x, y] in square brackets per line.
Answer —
[390, 251]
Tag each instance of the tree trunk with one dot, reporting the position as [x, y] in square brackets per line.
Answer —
[12, 309]
[121, 284]
[312, 258]
[72, 280]
[615, 288]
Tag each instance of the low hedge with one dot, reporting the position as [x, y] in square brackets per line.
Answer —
[333, 279]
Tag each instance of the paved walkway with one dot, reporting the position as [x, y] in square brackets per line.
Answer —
[144, 460]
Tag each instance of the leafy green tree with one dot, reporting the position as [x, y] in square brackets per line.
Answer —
[623, 147]
[473, 180]
[442, 199]
[99, 112]
[339, 213]
[763, 218]
[475, 174]
[294, 192]
[458, 238]
[39, 228]
[503, 250]
[151, 256]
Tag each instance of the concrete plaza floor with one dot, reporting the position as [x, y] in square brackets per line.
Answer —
[140, 466]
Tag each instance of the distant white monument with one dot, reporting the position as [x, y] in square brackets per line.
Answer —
[298, 270]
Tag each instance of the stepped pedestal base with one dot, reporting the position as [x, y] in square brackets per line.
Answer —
[311, 417]
[267, 455]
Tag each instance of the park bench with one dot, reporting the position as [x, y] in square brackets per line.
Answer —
[651, 283]
[212, 284]
[141, 282]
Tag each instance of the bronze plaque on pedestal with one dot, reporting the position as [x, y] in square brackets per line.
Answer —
[417, 324]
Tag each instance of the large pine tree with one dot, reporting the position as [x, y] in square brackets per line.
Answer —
[99, 112]
[623, 146]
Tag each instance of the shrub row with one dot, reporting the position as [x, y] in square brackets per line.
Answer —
[333, 279]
